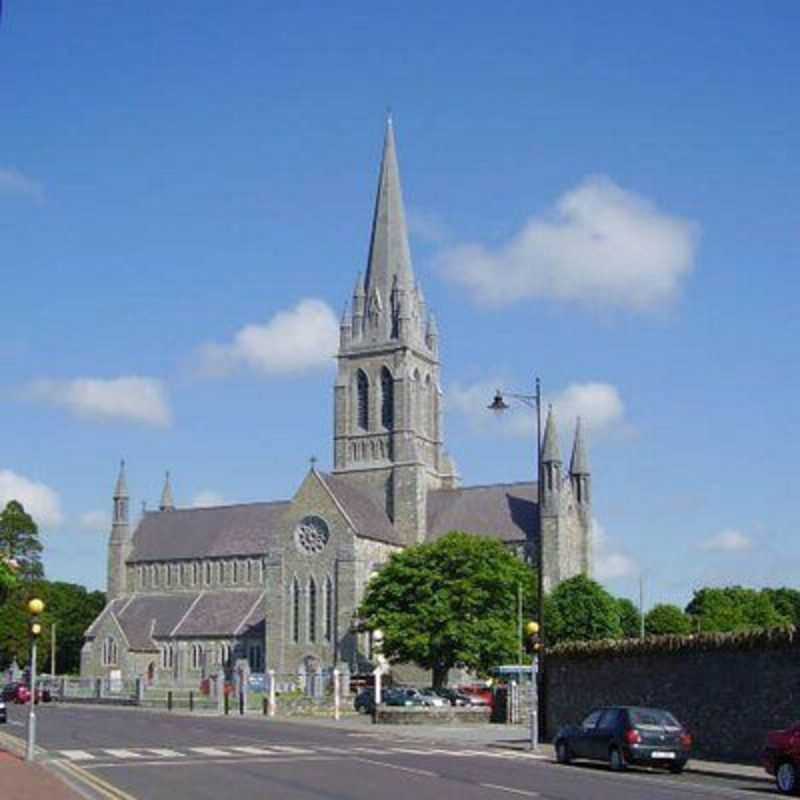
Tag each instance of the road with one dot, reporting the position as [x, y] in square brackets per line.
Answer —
[159, 756]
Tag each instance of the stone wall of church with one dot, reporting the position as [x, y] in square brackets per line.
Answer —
[193, 575]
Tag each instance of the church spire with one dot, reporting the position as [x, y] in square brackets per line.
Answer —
[389, 252]
[550, 449]
[579, 463]
[167, 503]
[121, 497]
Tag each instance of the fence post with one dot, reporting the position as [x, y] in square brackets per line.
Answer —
[272, 692]
[191, 700]
[241, 701]
[377, 697]
[336, 688]
[139, 691]
[169, 700]
[264, 706]
[63, 687]
[227, 703]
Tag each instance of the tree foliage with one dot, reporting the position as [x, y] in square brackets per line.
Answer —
[629, 618]
[665, 618]
[786, 602]
[734, 608]
[450, 603]
[19, 539]
[581, 609]
[71, 607]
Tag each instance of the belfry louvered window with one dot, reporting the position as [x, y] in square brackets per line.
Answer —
[312, 610]
[295, 611]
[362, 385]
[387, 399]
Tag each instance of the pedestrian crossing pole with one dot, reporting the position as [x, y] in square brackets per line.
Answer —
[35, 608]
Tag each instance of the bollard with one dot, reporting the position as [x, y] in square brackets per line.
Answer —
[169, 700]
[264, 706]
[272, 703]
[336, 687]
[191, 700]
[227, 704]
[241, 702]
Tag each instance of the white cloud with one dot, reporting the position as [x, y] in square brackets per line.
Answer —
[600, 244]
[13, 182]
[609, 561]
[95, 521]
[599, 406]
[427, 227]
[296, 340]
[207, 498]
[39, 500]
[131, 398]
[727, 541]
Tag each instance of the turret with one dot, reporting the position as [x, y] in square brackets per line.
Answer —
[345, 329]
[432, 334]
[579, 473]
[167, 503]
[551, 467]
[119, 543]
[358, 307]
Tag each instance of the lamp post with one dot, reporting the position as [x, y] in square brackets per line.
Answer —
[35, 608]
[534, 401]
[532, 629]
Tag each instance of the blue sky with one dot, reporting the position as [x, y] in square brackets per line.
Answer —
[603, 196]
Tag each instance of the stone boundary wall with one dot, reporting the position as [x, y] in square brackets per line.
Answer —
[389, 715]
[729, 690]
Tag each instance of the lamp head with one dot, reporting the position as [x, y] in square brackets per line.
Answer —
[35, 606]
[498, 405]
[532, 628]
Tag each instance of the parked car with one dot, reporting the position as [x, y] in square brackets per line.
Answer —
[405, 697]
[3, 718]
[781, 758]
[432, 699]
[23, 694]
[623, 735]
[365, 699]
[451, 696]
[478, 695]
[10, 690]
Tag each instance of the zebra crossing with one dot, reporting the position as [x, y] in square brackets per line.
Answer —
[259, 750]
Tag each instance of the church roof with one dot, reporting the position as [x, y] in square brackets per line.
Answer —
[147, 617]
[238, 530]
[506, 511]
[366, 513]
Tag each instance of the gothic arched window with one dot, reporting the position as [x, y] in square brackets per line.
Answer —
[328, 632]
[387, 399]
[110, 652]
[312, 610]
[295, 611]
[427, 411]
[362, 386]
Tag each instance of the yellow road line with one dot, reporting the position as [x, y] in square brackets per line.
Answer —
[106, 789]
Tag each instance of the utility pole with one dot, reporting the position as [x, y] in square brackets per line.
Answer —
[519, 623]
[641, 606]
[53, 649]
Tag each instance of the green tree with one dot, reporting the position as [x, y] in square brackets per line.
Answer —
[629, 618]
[786, 602]
[19, 539]
[665, 618]
[579, 609]
[734, 608]
[450, 603]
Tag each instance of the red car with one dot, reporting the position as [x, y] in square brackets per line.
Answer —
[478, 695]
[781, 758]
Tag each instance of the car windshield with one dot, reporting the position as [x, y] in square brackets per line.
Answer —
[655, 717]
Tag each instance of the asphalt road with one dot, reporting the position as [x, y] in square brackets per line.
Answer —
[159, 756]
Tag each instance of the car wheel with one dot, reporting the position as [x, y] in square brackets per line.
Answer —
[616, 760]
[562, 752]
[676, 769]
[786, 778]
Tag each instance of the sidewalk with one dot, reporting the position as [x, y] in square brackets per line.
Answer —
[22, 781]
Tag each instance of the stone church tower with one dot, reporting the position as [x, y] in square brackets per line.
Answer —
[387, 414]
[119, 543]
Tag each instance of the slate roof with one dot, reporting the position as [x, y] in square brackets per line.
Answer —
[238, 530]
[364, 510]
[223, 613]
[146, 617]
[506, 511]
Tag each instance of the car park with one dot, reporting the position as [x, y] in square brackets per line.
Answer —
[431, 699]
[623, 735]
[781, 758]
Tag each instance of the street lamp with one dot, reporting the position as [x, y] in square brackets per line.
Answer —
[499, 405]
[532, 629]
[35, 608]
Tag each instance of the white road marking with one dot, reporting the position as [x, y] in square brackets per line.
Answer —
[509, 789]
[371, 750]
[338, 750]
[76, 755]
[409, 750]
[253, 751]
[164, 752]
[210, 751]
[286, 749]
[426, 772]
[123, 753]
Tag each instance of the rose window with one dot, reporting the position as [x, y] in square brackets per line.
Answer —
[311, 535]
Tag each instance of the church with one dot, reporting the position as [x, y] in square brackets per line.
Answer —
[191, 591]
